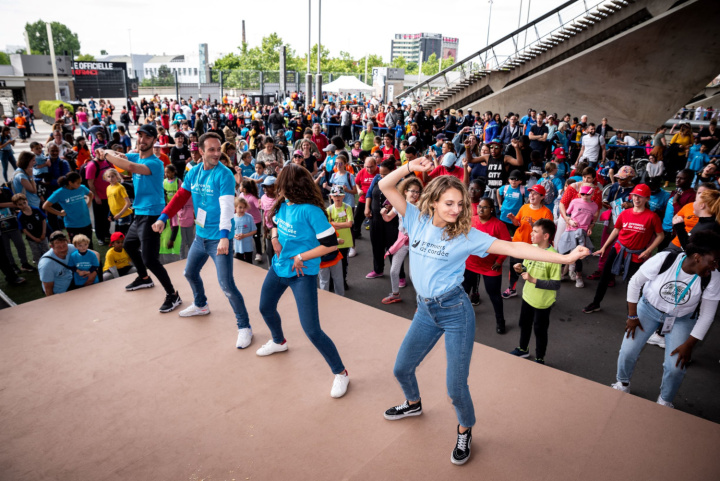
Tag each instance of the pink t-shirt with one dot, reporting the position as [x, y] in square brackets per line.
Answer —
[581, 212]
[253, 209]
[96, 174]
[266, 204]
[82, 117]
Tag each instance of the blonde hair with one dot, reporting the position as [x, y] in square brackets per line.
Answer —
[240, 201]
[711, 198]
[80, 239]
[111, 173]
[432, 193]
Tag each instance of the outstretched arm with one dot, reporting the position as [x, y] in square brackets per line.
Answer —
[521, 250]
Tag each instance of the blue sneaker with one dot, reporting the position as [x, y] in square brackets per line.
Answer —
[520, 352]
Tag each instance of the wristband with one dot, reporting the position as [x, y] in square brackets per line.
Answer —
[273, 237]
[634, 318]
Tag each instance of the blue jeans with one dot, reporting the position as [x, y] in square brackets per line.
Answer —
[8, 158]
[651, 319]
[198, 255]
[304, 289]
[450, 314]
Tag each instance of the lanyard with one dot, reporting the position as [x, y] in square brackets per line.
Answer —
[687, 288]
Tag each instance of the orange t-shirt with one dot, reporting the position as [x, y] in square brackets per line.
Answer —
[165, 159]
[687, 212]
[528, 216]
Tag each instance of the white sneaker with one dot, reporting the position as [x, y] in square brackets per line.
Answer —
[352, 252]
[579, 281]
[271, 348]
[619, 386]
[340, 385]
[194, 310]
[244, 338]
[572, 273]
[258, 257]
[661, 402]
[656, 340]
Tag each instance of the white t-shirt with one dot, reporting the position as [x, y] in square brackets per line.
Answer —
[592, 147]
[660, 290]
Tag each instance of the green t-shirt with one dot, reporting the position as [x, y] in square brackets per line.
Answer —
[547, 271]
[340, 215]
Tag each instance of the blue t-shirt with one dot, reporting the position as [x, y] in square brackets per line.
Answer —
[149, 192]
[32, 199]
[437, 264]
[697, 160]
[346, 180]
[83, 262]
[669, 213]
[299, 228]
[247, 170]
[512, 201]
[330, 163]
[51, 271]
[39, 161]
[73, 203]
[256, 176]
[658, 201]
[207, 186]
[243, 225]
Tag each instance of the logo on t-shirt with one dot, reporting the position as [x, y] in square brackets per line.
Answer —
[430, 250]
[671, 289]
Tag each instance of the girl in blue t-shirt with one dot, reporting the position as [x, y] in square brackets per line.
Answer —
[75, 199]
[301, 235]
[244, 231]
[440, 241]
[510, 198]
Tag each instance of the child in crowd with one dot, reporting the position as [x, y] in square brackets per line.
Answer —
[266, 203]
[32, 223]
[245, 168]
[524, 222]
[244, 231]
[117, 261]
[83, 151]
[170, 240]
[248, 191]
[535, 168]
[118, 201]
[356, 150]
[84, 262]
[331, 269]
[697, 157]
[341, 218]
[551, 170]
[542, 281]
[580, 218]
[654, 168]
[258, 176]
[186, 222]
[75, 200]
[404, 144]
[42, 163]
[510, 198]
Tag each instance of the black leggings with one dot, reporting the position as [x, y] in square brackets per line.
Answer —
[382, 236]
[143, 246]
[87, 230]
[607, 275]
[359, 217]
[514, 276]
[492, 287]
[539, 319]
[257, 237]
[245, 256]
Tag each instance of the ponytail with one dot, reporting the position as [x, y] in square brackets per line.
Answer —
[711, 198]
[69, 178]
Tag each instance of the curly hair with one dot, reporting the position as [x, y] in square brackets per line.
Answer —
[296, 184]
[432, 193]
[405, 184]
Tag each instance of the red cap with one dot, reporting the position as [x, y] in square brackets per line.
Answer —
[641, 190]
[560, 153]
[116, 236]
[538, 188]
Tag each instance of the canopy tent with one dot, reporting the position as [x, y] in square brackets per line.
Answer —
[347, 83]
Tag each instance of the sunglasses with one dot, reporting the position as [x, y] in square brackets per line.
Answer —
[586, 195]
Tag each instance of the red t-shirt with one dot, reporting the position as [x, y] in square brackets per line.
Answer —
[458, 172]
[637, 230]
[482, 265]
[321, 141]
[388, 151]
[363, 180]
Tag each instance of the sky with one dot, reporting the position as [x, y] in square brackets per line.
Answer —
[178, 27]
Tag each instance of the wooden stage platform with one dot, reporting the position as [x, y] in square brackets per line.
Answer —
[97, 385]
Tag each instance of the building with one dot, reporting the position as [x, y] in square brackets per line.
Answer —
[410, 45]
[134, 63]
[185, 66]
[29, 78]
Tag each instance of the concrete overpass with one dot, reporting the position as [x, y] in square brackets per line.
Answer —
[635, 62]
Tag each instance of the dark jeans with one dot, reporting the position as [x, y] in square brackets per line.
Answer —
[257, 237]
[304, 290]
[102, 225]
[607, 275]
[143, 246]
[5, 265]
[382, 236]
[87, 230]
[359, 216]
[514, 276]
[492, 287]
[539, 319]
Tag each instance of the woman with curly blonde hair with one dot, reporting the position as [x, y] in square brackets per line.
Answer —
[440, 239]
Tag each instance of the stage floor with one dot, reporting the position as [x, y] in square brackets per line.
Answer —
[97, 385]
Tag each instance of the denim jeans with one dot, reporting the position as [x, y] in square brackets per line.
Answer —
[651, 319]
[199, 252]
[450, 314]
[304, 289]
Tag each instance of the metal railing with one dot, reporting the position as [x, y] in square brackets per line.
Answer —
[523, 44]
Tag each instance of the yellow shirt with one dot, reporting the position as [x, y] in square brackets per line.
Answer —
[116, 259]
[116, 195]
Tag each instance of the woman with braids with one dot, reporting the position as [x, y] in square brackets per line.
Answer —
[440, 241]
[301, 236]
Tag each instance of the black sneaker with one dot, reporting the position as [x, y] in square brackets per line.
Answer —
[540, 360]
[500, 328]
[520, 352]
[404, 410]
[139, 283]
[475, 299]
[461, 453]
[590, 308]
[27, 268]
[171, 302]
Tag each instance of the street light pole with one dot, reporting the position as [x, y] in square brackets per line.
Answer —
[308, 74]
[132, 66]
[52, 60]
[487, 40]
[318, 77]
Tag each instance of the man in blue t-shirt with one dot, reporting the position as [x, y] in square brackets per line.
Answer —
[212, 188]
[55, 273]
[142, 243]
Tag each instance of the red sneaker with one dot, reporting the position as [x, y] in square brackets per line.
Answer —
[594, 276]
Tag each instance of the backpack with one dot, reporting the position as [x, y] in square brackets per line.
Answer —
[704, 281]
[83, 171]
[551, 192]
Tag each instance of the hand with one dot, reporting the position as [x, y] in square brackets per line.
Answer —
[276, 246]
[97, 200]
[422, 164]
[368, 214]
[630, 327]
[572, 223]
[580, 252]
[518, 268]
[341, 241]
[298, 266]
[111, 218]
[63, 213]
[645, 255]
[82, 273]
[223, 246]
[599, 253]
[627, 205]
[511, 216]
[238, 237]
[496, 267]
[677, 220]
[158, 226]
[684, 352]
[528, 278]
[515, 143]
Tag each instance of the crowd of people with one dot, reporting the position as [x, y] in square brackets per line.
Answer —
[295, 187]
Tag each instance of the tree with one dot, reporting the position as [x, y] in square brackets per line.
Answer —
[4, 59]
[64, 40]
[399, 62]
[86, 58]
[165, 75]
[103, 52]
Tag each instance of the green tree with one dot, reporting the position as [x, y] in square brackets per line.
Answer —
[4, 59]
[86, 58]
[399, 62]
[64, 39]
[165, 76]
[431, 65]
[103, 52]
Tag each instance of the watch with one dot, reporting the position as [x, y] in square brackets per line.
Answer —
[299, 257]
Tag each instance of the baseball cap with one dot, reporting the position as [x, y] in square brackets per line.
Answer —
[642, 190]
[194, 146]
[559, 153]
[538, 188]
[495, 141]
[625, 172]
[58, 234]
[337, 190]
[116, 236]
[269, 180]
[449, 159]
[330, 148]
[440, 137]
[298, 153]
[148, 129]
[516, 174]
[586, 189]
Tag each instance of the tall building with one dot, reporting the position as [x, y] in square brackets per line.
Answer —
[410, 45]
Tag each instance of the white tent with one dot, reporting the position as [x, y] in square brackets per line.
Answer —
[347, 83]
